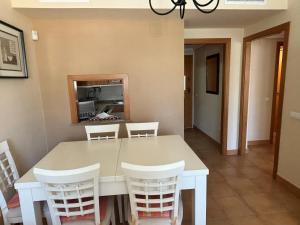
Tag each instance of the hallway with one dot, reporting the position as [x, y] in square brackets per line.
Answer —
[241, 190]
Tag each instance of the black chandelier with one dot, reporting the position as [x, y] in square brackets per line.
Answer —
[181, 4]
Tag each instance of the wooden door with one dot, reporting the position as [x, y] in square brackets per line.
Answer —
[188, 93]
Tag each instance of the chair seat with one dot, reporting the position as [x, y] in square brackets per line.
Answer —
[144, 215]
[156, 221]
[106, 205]
[158, 218]
[14, 202]
[14, 213]
[81, 222]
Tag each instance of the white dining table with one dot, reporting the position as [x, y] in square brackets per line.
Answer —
[111, 153]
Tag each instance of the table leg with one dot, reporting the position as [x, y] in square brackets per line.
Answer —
[200, 201]
[119, 200]
[31, 211]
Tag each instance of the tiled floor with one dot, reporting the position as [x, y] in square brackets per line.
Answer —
[241, 190]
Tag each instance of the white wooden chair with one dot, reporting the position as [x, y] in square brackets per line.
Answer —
[137, 130]
[154, 193]
[142, 129]
[73, 196]
[9, 198]
[99, 130]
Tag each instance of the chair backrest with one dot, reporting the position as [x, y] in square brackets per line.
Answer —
[8, 174]
[136, 129]
[71, 193]
[112, 129]
[153, 189]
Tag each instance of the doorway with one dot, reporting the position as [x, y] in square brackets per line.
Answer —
[279, 80]
[188, 90]
[215, 88]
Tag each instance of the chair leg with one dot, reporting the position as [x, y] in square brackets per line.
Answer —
[126, 203]
[6, 222]
[174, 221]
[4, 213]
[49, 220]
[113, 217]
[133, 220]
[119, 199]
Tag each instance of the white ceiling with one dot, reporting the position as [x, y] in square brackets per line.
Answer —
[226, 18]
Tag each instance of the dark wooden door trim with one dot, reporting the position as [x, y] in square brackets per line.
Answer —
[285, 28]
[273, 125]
[225, 85]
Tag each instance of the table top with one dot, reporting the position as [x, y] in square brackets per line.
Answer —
[159, 150]
[76, 154]
[110, 153]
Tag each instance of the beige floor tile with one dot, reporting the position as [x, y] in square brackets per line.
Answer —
[218, 222]
[243, 186]
[251, 172]
[247, 220]
[240, 161]
[218, 164]
[280, 219]
[214, 209]
[267, 184]
[264, 204]
[231, 172]
[220, 190]
[290, 201]
[293, 205]
[235, 207]
[214, 176]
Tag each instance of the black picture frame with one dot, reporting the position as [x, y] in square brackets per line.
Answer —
[19, 60]
[213, 74]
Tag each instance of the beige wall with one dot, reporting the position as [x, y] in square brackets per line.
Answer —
[236, 35]
[207, 107]
[21, 115]
[149, 50]
[262, 71]
[289, 155]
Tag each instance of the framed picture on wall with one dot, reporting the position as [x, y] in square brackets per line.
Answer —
[212, 74]
[12, 52]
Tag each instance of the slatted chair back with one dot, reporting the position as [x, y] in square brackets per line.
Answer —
[142, 129]
[71, 193]
[153, 190]
[100, 130]
[8, 175]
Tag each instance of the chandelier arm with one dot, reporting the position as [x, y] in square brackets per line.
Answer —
[182, 11]
[203, 5]
[162, 13]
[179, 2]
[182, 4]
[206, 11]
